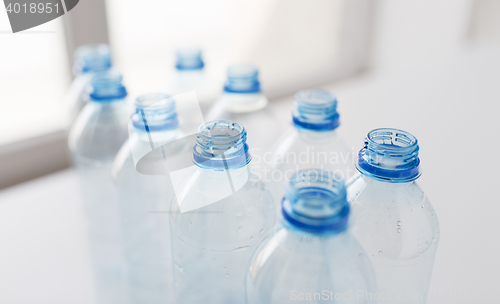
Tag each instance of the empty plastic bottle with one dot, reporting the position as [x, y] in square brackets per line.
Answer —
[311, 257]
[95, 138]
[312, 142]
[144, 194]
[244, 102]
[392, 218]
[190, 75]
[219, 216]
[89, 59]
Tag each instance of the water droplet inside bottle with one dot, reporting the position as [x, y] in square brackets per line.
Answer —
[261, 231]
[225, 268]
[411, 209]
[389, 216]
[360, 256]
[422, 206]
[190, 223]
[399, 230]
[399, 223]
[227, 274]
[380, 253]
[240, 228]
[251, 237]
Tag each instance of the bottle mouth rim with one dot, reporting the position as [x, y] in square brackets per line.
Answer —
[315, 98]
[400, 141]
[154, 101]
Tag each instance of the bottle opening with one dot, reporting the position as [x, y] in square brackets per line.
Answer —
[221, 145]
[390, 155]
[315, 110]
[107, 86]
[315, 201]
[189, 59]
[157, 112]
[92, 58]
[242, 78]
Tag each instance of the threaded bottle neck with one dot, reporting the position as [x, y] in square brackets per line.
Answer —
[92, 58]
[221, 145]
[390, 155]
[107, 87]
[315, 201]
[155, 113]
[189, 59]
[243, 79]
[315, 110]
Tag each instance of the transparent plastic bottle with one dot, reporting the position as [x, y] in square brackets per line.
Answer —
[212, 243]
[312, 142]
[94, 139]
[89, 59]
[244, 102]
[311, 257]
[392, 218]
[144, 194]
[190, 75]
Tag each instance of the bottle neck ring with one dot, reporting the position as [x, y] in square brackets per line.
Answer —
[242, 79]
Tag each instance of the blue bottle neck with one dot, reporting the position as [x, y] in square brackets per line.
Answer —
[107, 87]
[390, 155]
[189, 59]
[242, 79]
[221, 145]
[155, 113]
[315, 202]
[315, 110]
[92, 58]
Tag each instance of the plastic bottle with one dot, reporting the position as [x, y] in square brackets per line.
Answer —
[190, 75]
[244, 102]
[96, 136]
[144, 192]
[392, 218]
[312, 142]
[311, 257]
[89, 59]
[212, 243]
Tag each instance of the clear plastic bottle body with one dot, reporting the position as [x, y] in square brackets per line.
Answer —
[94, 139]
[190, 75]
[392, 218]
[212, 245]
[312, 142]
[311, 257]
[293, 267]
[301, 149]
[144, 192]
[399, 230]
[243, 101]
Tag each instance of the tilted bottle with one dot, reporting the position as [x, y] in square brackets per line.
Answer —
[89, 59]
[392, 218]
[190, 75]
[219, 216]
[311, 257]
[96, 136]
[312, 142]
[144, 194]
[244, 102]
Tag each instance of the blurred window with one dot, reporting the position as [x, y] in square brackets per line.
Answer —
[33, 80]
